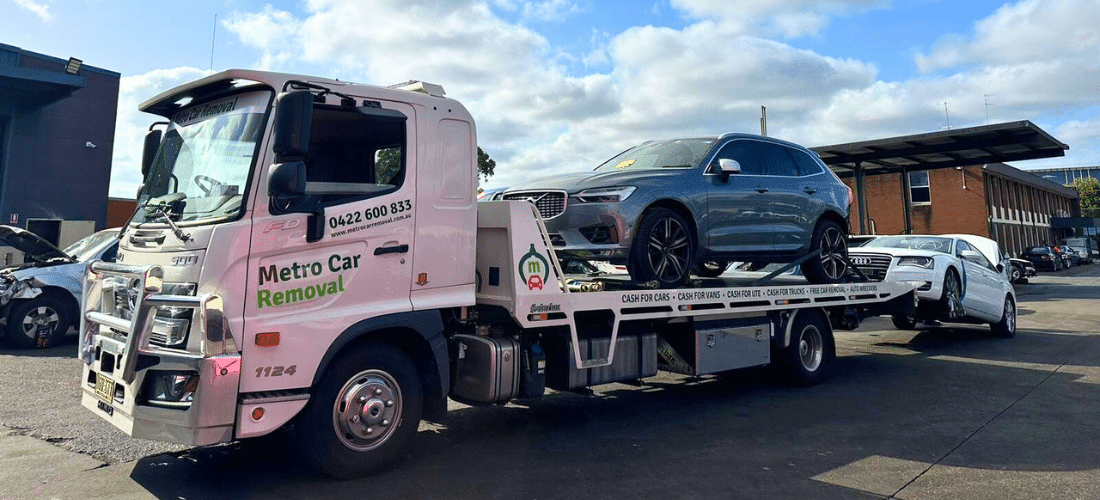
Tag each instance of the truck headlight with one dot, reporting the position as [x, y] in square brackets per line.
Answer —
[170, 389]
[921, 262]
[605, 195]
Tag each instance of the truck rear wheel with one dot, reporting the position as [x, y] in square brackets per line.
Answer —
[363, 413]
[811, 352]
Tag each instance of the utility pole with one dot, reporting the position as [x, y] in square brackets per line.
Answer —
[948, 115]
[764, 121]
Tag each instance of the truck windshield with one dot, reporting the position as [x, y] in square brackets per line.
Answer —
[204, 161]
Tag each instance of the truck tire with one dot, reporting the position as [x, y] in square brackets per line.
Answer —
[363, 413]
[1006, 327]
[904, 322]
[808, 358]
[25, 317]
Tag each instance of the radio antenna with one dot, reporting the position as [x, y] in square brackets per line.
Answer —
[213, 36]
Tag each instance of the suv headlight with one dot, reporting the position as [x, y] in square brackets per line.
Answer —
[922, 262]
[605, 195]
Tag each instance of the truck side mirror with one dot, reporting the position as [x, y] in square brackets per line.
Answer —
[287, 179]
[726, 167]
[149, 153]
[293, 118]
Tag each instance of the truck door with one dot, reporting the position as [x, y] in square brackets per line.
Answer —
[360, 187]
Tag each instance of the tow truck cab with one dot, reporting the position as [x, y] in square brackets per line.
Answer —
[282, 214]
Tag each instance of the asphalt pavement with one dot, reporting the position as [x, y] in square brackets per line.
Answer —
[939, 413]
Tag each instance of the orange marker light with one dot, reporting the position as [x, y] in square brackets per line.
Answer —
[257, 413]
[267, 339]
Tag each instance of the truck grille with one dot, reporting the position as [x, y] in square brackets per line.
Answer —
[550, 203]
[873, 266]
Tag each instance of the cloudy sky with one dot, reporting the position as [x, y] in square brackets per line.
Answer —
[558, 85]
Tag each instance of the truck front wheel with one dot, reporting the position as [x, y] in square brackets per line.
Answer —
[363, 413]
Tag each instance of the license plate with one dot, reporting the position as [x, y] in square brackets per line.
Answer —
[108, 409]
[104, 388]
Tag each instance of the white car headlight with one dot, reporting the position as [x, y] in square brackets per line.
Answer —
[605, 195]
[922, 262]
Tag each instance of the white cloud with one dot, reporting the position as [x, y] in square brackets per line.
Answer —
[131, 125]
[39, 9]
[535, 118]
[1028, 31]
[787, 18]
[550, 10]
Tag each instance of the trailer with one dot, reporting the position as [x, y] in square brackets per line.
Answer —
[309, 254]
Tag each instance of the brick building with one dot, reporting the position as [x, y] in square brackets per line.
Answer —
[955, 181]
[997, 201]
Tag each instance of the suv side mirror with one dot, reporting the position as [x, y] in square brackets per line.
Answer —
[726, 167]
[293, 119]
[149, 152]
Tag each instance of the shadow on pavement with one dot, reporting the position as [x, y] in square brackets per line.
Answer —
[733, 436]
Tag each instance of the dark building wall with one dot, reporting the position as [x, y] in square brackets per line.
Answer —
[119, 211]
[49, 171]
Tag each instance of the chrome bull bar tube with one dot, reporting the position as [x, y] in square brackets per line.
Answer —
[115, 345]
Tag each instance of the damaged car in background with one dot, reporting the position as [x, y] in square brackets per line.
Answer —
[39, 299]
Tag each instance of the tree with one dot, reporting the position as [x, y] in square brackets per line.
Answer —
[485, 165]
[1088, 188]
[388, 163]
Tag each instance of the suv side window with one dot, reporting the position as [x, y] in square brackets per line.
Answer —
[776, 160]
[745, 153]
[807, 165]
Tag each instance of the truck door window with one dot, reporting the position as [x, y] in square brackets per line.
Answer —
[364, 154]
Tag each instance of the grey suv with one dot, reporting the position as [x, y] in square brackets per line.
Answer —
[668, 208]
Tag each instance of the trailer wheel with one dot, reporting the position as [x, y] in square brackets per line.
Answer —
[363, 412]
[811, 352]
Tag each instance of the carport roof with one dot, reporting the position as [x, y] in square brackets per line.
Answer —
[997, 143]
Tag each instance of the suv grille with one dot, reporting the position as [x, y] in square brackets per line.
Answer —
[871, 265]
[550, 203]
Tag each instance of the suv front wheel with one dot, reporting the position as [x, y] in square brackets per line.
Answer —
[832, 264]
[663, 249]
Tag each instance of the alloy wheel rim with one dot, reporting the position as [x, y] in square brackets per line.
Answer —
[811, 349]
[834, 250]
[1010, 316]
[41, 315]
[669, 249]
[367, 410]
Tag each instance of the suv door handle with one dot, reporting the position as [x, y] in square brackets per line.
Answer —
[393, 249]
[761, 190]
[809, 190]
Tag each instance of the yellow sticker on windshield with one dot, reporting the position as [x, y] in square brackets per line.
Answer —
[625, 163]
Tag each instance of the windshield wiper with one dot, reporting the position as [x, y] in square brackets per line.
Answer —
[161, 214]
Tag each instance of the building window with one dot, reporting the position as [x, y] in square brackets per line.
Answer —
[919, 192]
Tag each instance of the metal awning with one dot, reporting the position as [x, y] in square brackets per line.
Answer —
[997, 143]
[961, 147]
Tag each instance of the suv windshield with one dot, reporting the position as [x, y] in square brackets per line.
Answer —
[204, 161]
[682, 153]
[930, 243]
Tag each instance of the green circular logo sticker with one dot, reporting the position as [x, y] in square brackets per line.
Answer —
[534, 269]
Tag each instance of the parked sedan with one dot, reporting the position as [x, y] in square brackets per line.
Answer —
[669, 208]
[1043, 257]
[40, 299]
[958, 280]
